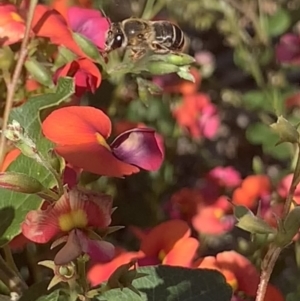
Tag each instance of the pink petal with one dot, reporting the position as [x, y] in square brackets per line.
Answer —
[141, 147]
[97, 206]
[89, 23]
[41, 226]
[226, 176]
[288, 49]
[70, 251]
[99, 251]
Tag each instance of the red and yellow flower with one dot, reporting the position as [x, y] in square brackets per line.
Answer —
[80, 135]
[72, 218]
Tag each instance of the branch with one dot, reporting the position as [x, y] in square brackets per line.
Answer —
[274, 251]
[12, 85]
[11, 279]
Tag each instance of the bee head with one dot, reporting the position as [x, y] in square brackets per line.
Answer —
[115, 37]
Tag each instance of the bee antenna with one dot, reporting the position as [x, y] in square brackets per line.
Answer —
[103, 12]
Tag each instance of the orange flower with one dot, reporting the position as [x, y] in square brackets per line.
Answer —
[239, 272]
[86, 75]
[9, 158]
[48, 23]
[80, 135]
[12, 25]
[206, 215]
[172, 83]
[100, 272]
[168, 243]
[252, 189]
[198, 115]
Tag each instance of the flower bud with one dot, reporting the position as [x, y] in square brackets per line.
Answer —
[160, 68]
[251, 223]
[180, 59]
[55, 161]
[62, 273]
[63, 57]
[289, 229]
[15, 133]
[185, 73]
[38, 72]
[6, 58]
[286, 132]
[20, 183]
[87, 46]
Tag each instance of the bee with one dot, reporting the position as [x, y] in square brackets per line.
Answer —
[140, 35]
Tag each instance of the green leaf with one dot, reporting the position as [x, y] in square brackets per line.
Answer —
[260, 133]
[173, 284]
[13, 205]
[257, 100]
[39, 292]
[278, 23]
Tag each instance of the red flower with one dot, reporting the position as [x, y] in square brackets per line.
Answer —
[198, 115]
[80, 135]
[9, 158]
[239, 272]
[206, 215]
[86, 75]
[288, 49]
[284, 186]
[89, 23]
[225, 176]
[48, 23]
[253, 188]
[168, 243]
[12, 26]
[74, 215]
[100, 272]
[172, 83]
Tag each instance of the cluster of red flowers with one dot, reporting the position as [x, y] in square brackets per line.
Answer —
[81, 136]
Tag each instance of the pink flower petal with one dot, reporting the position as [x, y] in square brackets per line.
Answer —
[89, 23]
[70, 251]
[41, 226]
[141, 147]
[99, 251]
[288, 49]
[226, 176]
[97, 206]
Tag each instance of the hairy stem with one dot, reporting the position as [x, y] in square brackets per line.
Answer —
[12, 85]
[11, 279]
[272, 255]
[9, 259]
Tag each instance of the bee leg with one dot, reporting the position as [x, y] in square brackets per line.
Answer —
[159, 49]
[137, 54]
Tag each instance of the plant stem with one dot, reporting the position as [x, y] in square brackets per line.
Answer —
[11, 87]
[9, 259]
[148, 9]
[11, 279]
[272, 255]
[82, 274]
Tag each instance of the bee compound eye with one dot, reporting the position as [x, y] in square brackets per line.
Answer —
[118, 41]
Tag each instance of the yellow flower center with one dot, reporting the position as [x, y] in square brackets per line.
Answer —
[161, 255]
[233, 283]
[72, 220]
[102, 141]
[16, 17]
[218, 213]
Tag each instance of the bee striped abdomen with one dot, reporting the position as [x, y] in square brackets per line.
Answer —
[168, 35]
